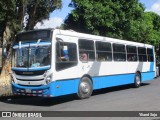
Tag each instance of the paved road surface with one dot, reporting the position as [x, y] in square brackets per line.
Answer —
[122, 98]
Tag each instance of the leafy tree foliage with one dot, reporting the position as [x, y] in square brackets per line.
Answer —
[16, 15]
[37, 10]
[104, 17]
[120, 19]
[24, 14]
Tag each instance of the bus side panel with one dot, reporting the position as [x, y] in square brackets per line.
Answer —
[147, 76]
[64, 87]
[152, 66]
[115, 80]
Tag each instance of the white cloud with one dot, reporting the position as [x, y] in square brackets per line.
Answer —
[51, 23]
[155, 7]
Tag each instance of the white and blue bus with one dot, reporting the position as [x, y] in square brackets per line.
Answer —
[53, 62]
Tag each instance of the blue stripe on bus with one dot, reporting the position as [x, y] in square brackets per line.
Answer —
[109, 81]
[40, 68]
[31, 87]
[31, 43]
[147, 76]
[32, 69]
[64, 87]
[26, 43]
[19, 69]
[55, 88]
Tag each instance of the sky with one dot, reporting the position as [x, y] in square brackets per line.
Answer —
[57, 17]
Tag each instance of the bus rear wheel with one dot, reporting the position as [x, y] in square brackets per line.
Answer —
[85, 88]
[137, 80]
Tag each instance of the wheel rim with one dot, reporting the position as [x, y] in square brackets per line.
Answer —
[138, 81]
[84, 87]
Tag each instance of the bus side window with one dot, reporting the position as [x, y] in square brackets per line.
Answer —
[66, 55]
[150, 54]
[103, 51]
[86, 47]
[131, 53]
[142, 55]
[119, 52]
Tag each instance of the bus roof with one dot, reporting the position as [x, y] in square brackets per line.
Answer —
[99, 38]
[91, 37]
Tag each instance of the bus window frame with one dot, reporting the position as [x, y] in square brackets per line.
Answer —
[85, 51]
[59, 61]
[102, 51]
[136, 53]
[142, 54]
[115, 52]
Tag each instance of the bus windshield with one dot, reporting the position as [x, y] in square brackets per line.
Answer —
[32, 56]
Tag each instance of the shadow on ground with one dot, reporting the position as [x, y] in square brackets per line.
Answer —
[39, 101]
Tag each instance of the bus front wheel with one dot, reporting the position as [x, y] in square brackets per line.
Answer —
[137, 81]
[85, 88]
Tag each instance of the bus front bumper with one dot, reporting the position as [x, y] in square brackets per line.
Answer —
[41, 91]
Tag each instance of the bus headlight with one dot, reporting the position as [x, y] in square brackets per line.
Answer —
[45, 73]
[48, 79]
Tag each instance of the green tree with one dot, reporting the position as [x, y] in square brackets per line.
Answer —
[13, 14]
[38, 10]
[154, 37]
[146, 30]
[104, 17]
[115, 18]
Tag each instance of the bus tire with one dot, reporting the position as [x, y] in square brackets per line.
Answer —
[85, 88]
[137, 80]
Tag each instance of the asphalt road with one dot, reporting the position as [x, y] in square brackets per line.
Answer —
[122, 98]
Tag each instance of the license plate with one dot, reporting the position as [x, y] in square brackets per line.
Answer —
[28, 91]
